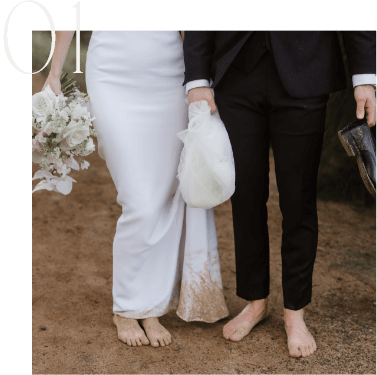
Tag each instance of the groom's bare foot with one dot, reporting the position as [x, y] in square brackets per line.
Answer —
[300, 341]
[243, 323]
[157, 334]
[129, 331]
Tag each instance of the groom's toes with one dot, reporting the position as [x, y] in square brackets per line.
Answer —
[236, 336]
[303, 350]
[308, 350]
[225, 332]
[313, 347]
[294, 352]
[228, 331]
[228, 334]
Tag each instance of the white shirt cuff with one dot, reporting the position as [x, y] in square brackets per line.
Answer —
[363, 79]
[197, 83]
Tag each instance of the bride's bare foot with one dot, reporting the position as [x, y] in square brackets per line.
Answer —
[243, 323]
[300, 341]
[157, 334]
[129, 331]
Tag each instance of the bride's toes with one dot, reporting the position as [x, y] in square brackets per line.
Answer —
[144, 339]
[155, 343]
[157, 334]
[167, 338]
[129, 331]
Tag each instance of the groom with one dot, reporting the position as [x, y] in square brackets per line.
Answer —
[272, 88]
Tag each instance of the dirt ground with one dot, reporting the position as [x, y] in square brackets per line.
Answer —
[73, 330]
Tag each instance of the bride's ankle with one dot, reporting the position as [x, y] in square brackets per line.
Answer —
[150, 320]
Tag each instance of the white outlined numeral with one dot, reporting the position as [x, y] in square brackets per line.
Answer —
[6, 44]
[77, 6]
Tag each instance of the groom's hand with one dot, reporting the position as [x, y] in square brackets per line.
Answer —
[202, 93]
[366, 102]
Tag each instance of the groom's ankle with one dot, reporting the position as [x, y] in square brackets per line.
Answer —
[293, 316]
[259, 303]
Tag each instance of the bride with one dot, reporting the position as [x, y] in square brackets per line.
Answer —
[164, 253]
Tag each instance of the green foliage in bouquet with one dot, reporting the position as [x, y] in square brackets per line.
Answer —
[68, 85]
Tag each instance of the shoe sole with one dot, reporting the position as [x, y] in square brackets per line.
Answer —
[363, 172]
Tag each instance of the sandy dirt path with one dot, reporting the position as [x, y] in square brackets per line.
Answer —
[73, 330]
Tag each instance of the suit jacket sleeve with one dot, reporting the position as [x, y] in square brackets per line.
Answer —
[198, 48]
[360, 48]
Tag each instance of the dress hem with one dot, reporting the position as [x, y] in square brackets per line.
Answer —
[136, 316]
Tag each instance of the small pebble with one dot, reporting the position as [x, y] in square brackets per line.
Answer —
[43, 328]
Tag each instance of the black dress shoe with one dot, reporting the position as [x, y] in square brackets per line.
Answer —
[358, 140]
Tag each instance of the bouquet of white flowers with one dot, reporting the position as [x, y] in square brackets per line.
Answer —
[62, 127]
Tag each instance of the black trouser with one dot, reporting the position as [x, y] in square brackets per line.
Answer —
[257, 111]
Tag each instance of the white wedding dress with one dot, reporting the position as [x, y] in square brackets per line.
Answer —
[164, 254]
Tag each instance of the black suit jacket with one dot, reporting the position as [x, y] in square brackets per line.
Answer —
[309, 63]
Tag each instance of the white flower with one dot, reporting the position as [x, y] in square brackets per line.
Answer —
[84, 164]
[79, 111]
[44, 184]
[62, 169]
[42, 174]
[72, 163]
[44, 103]
[75, 133]
[40, 138]
[62, 184]
[93, 132]
[64, 113]
[90, 147]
